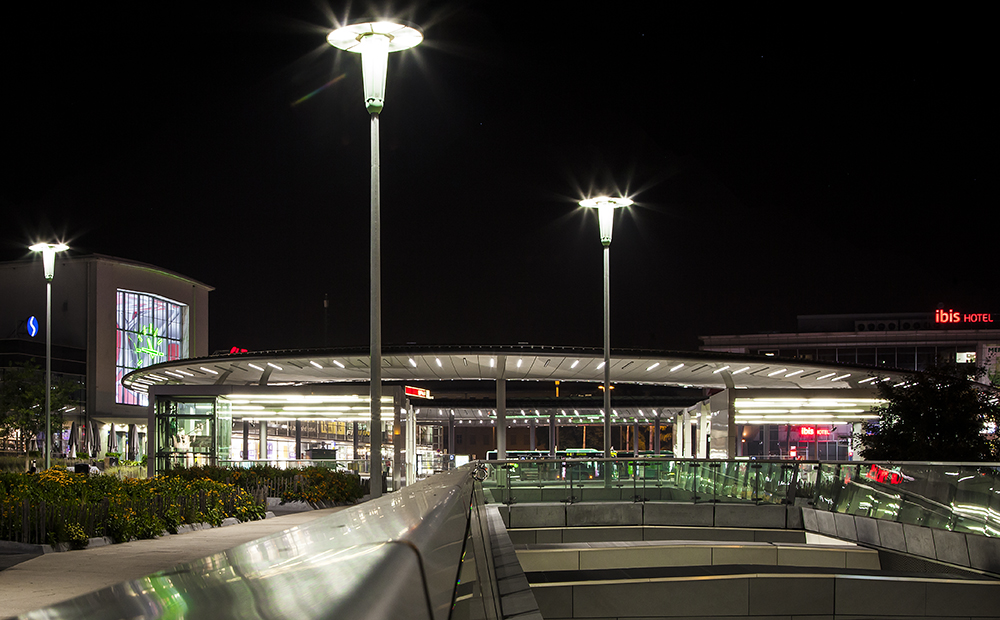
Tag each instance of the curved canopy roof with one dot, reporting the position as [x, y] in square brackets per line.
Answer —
[517, 363]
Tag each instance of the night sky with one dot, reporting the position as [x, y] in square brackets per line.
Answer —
[782, 163]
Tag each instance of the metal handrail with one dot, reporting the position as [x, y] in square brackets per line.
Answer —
[395, 556]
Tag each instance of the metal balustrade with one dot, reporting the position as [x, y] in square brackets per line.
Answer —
[959, 497]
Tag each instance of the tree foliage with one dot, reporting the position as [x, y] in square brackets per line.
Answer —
[22, 402]
[938, 415]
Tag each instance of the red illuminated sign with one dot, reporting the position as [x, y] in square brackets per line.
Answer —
[810, 431]
[417, 392]
[953, 317]
[237, 350]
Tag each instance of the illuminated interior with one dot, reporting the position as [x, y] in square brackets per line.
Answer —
[804, 410]
[344, 408]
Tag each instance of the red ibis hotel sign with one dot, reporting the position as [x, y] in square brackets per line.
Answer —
[811, 431]
[417, 392]
[954, 317]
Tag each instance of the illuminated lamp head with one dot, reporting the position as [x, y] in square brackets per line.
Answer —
[605, 213]
[48, 251]
[374, 41]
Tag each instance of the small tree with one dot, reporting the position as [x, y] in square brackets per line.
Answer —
[937, 415]
[22, 403]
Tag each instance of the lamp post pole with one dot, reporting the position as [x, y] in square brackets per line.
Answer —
[605, 212]
[374, 41]
[48, 251]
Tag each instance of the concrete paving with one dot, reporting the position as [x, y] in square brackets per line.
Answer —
[50, 578]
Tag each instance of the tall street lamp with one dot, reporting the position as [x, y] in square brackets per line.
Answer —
[374, 41]
[48, 251]
[605, 213]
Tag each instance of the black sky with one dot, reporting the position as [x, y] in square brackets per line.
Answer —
[783, 163]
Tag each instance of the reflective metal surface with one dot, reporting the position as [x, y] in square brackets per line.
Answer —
[398, 556]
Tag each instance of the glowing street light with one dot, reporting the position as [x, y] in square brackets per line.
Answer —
[605, 213]
[48, 251]
[374, 41]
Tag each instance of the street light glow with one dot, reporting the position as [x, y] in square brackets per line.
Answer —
[374, 41]
[605, 213]
[48, 251]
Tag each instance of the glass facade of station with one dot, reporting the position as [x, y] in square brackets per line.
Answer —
[191, 432]
[281, 429]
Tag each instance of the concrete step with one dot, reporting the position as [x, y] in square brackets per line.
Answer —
[542, 535]
[642, 554]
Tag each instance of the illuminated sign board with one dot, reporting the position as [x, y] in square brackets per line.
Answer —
[811, 431]
[417, 392]
[32, 326]
[954, 317]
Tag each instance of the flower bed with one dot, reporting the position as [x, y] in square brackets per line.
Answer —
[56, 506]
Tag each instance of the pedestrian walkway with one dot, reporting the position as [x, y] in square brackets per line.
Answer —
[53, 577]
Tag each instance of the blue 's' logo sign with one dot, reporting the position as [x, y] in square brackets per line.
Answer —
[32, 326]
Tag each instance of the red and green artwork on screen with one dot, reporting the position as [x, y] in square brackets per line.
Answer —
[150, 330]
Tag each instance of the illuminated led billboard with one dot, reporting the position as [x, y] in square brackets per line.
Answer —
[151, 330]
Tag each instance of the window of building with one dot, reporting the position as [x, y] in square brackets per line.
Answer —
[906, 357]
[847, 355]
[926, 356]
[151, 329]
[866, 356]
[886, 356]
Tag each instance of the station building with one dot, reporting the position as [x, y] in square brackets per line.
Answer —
[205, 409]
[110, 316]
